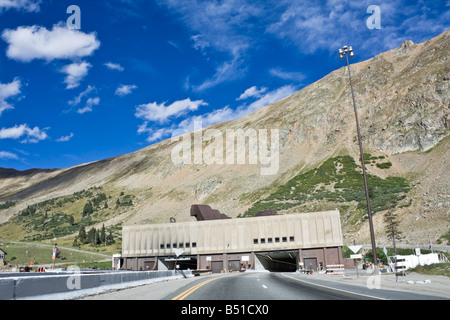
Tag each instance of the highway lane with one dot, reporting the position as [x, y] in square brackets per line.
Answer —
[258, 286]
[249, 286]
[234, 286]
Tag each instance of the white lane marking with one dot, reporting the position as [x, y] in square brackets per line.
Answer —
[346, 291]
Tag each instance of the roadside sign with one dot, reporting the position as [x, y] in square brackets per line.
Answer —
[356, 256]
[355, 249]
[56, 253]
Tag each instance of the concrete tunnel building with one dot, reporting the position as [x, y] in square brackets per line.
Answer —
[217, 243]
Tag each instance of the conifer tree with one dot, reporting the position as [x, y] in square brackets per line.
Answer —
[392, 228]
[103, 234]
[88, 208]
[82, 236]
[91, 235]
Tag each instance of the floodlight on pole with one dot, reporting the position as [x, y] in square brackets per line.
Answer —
[348, 51]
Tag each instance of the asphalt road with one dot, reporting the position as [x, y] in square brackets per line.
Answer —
[256, 286]
[251, 286]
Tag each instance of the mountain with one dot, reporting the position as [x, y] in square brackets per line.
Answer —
[403, 101]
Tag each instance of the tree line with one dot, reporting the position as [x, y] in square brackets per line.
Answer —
[94, 237]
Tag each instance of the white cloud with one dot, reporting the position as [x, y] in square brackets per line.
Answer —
[75, 73]
[8, 155]
[229, 70]
[65, 138]
[27, 43]
[208, 119]
[153, 135]
[287, 75]
[252, 92]
[231, 29]
[32, 135]
[160, 112]
[26, 5]
[114, 66]
[199, 42]
[78, 98]
[89, 104]
[8, 90]
[268, 98]
[125, 89]
[326, 26]
[227, 114]
[174, 44]
[219, 27]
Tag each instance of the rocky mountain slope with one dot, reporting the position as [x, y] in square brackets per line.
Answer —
[403, 102]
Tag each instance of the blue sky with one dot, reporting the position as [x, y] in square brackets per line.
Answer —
[137, 70]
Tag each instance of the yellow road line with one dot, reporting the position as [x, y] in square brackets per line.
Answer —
[184, 294]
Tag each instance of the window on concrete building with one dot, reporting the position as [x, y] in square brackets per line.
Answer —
[194, 244]
[291, 238]
[269, 240]
[277, 239]
[255, 241]
[168, 246]
[284, 239]
[187, 245]
[161, 246]
[263, 240]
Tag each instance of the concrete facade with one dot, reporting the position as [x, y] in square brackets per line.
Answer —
[309, 240]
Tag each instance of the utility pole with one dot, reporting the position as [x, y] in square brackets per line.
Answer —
[345, 51]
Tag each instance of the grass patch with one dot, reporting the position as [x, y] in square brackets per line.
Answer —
[338, 180]
[437, 269]
[100, 265]
[22, 253]
[444, 239]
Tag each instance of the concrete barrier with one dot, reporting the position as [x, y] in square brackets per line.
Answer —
[32, 287]
[7, 288]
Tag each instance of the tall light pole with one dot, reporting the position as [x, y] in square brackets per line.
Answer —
[346, 51]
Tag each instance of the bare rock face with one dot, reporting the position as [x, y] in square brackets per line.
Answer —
[403, 102]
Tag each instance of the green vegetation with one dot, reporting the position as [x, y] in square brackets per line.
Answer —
[442, 269]
[390, 252]
[102, 265]
[94, 237]
[384, 165]
[369, 159]
[7, 204]
[23, 253]
[444, 239]
[66, 215]
[338, 180]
